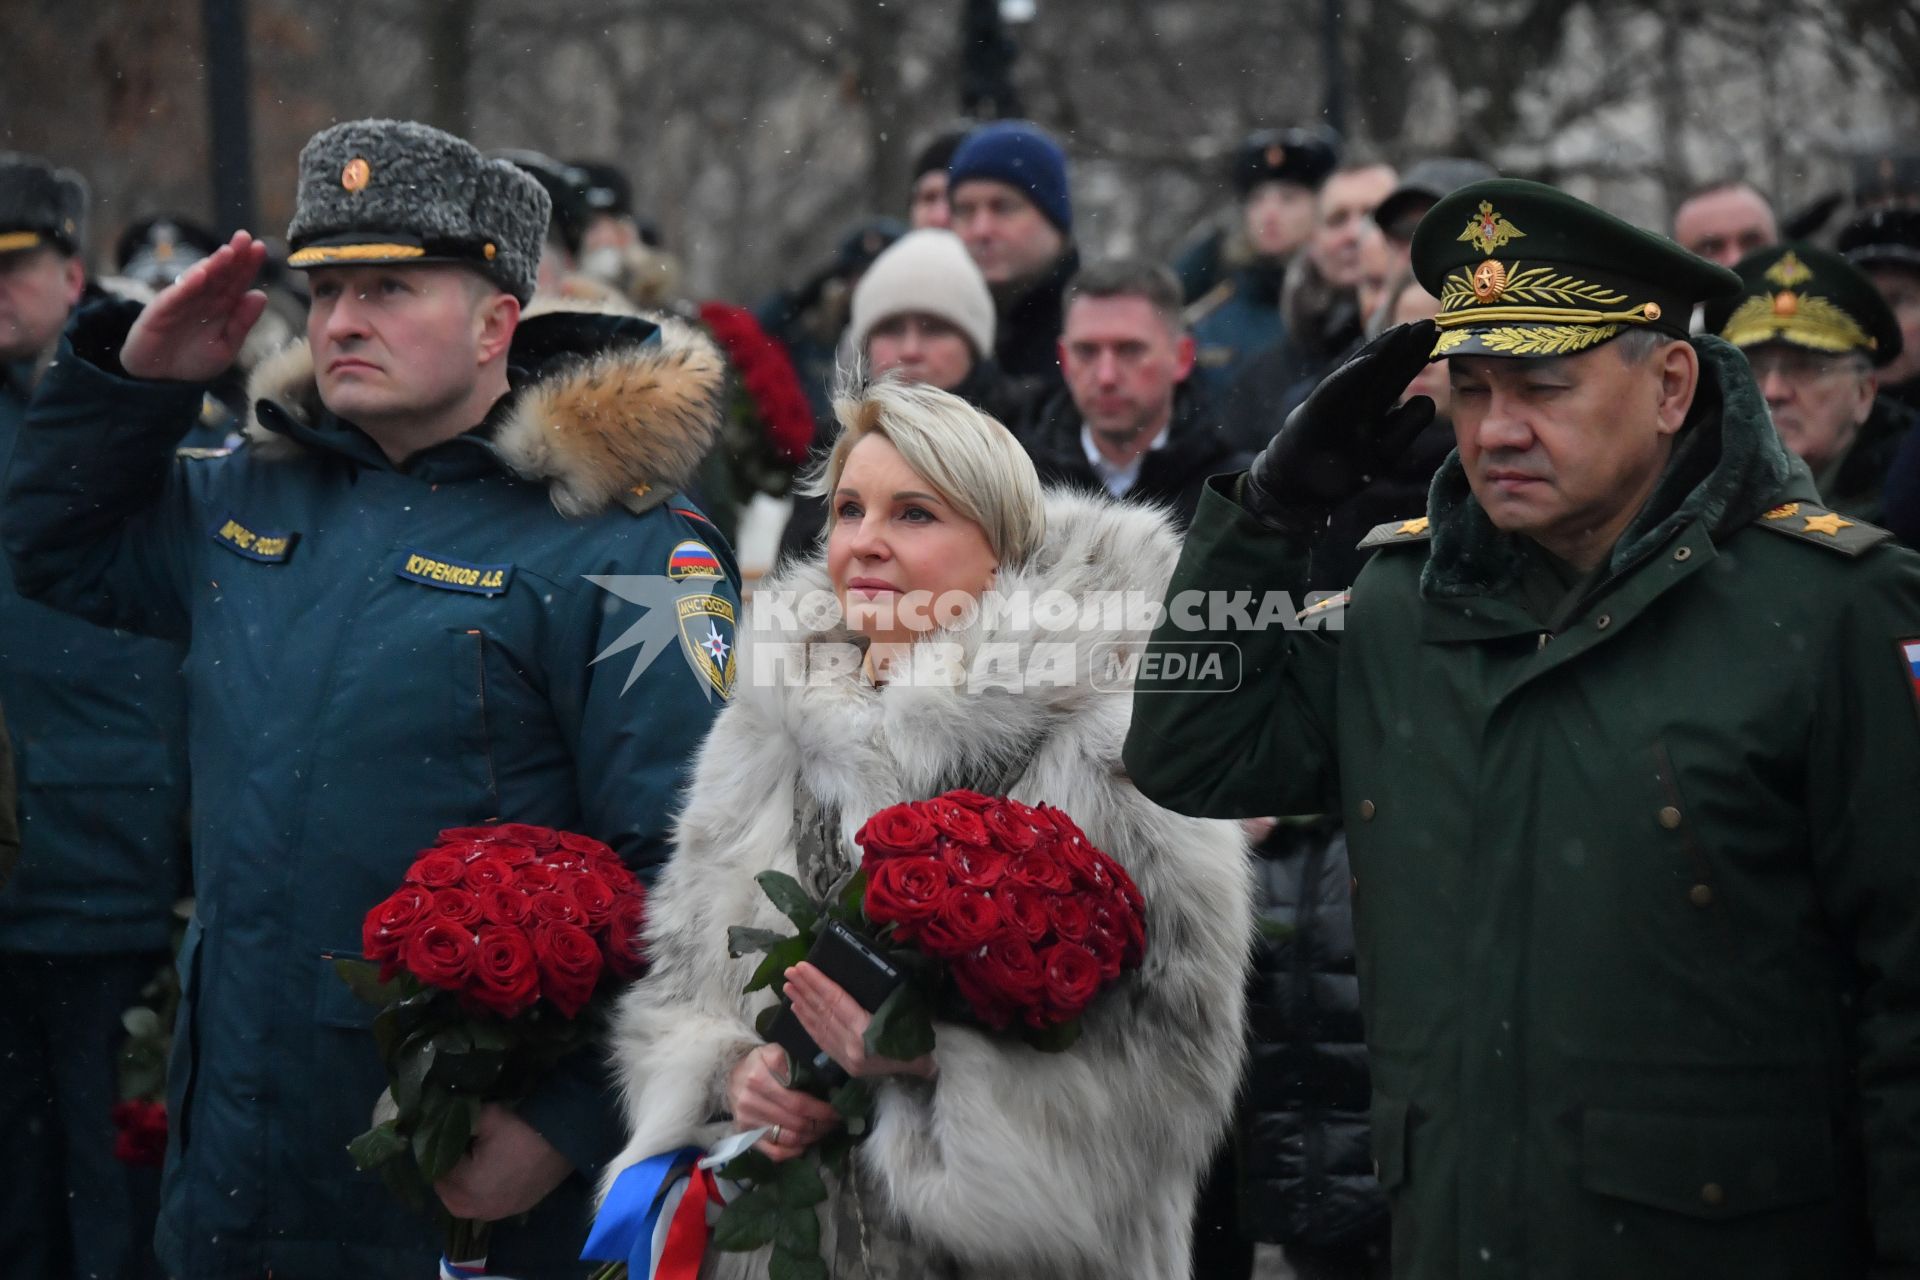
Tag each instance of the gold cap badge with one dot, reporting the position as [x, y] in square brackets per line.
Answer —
[1276, 156]
[356, 175]
[1490, 231]
[1489, 280]
[1789, 271]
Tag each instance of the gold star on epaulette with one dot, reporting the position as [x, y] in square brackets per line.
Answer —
[1416, 525]
[1830, 524]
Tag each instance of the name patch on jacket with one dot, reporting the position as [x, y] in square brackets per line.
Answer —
[455, 575]
[268, 548]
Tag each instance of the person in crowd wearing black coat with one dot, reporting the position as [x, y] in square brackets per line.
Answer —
[1129, 423]
[1007, 187]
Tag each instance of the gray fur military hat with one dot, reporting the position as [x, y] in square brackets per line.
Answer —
[40, 204]
[393, 191]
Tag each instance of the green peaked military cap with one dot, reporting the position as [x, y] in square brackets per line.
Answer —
[396, 191]
[1807, 297]
[1524, 269]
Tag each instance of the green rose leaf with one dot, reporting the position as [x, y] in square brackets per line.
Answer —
[749, 1222]
[780, 959]
[743, 941]
[902, 1027]
[441, 1143]
[792, 900]
[376, 1146]
[789, 1265]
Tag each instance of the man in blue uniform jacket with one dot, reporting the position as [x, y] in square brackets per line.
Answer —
[391, 630]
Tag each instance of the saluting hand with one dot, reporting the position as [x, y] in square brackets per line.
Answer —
[1346, 433]
[193, 331]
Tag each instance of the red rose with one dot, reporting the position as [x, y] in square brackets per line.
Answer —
[1012, 967]
[1071, 918]
[485, 871]
[503, 904]
[440, 954]
[388, 926]
[585, 845]
[906, 892]
[465, 850]
[1125, 928]
[570, 964]
[563, 860]
[539, 839]
[1073, 979]
[1024, 908]
[961, 823]
[593, 896]
[437, 870]
[141, 1137]
[973, 864]
[1109, 949]
[536, 878]
[1041, 870]
[458, 906]
[513, 854]
[615, 873]
[462, 835]
[1129, 891]
[897, 831]
[1009, 831]
[970, 800]
[965, 921]
[506, 975]
[982, 997]
[558, 906]
[626, 942]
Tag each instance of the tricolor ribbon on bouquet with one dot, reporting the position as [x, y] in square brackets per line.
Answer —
[466, 1271]
[658, 1215]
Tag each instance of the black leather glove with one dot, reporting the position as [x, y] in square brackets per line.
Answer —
[1346, 433]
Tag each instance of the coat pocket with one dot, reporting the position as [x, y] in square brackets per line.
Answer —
[181, 1062]
[1709, 1167]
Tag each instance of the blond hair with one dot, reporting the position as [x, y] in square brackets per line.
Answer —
[970, 460]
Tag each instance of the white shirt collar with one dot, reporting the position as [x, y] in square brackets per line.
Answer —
[1119, 479]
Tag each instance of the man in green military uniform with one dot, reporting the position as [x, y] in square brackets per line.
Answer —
[1625, 732]
[1815, 330]
[395, 623]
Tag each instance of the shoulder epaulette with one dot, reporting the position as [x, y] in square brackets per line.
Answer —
[195, 453]
[1414, 530]
[1320, 608]
[1811, 522]
[1209, 302]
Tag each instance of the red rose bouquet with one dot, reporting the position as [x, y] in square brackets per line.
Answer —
[489, 964]
[1000, 915]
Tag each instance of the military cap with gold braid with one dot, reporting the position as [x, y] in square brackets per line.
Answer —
[393, 191]
[1806, 297]
[1523, 269]
[40, 205]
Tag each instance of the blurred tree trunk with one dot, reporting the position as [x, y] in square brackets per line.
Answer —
[447, 30]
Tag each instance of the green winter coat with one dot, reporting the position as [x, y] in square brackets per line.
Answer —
[1637, 894]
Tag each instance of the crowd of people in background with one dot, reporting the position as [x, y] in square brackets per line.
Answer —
[1137, 378]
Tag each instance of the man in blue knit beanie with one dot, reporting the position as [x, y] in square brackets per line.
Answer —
[1008, 187]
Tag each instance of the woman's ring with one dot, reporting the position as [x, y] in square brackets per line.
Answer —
[775, 1135]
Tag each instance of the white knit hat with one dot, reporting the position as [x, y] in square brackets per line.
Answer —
[928, 272]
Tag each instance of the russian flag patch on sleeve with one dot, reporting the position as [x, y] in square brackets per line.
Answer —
[1910, 659]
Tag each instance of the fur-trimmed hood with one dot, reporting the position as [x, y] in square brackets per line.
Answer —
[605, 407]
[1017, 1164]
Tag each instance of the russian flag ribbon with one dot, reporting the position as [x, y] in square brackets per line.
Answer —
[625, 1227]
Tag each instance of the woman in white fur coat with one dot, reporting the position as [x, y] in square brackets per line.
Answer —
[987, 1158]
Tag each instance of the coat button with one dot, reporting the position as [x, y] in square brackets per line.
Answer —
[1669, 817]
[1602, 622]
[1714, 1194]
[1367, 810]
[1701, 895]
[1684, 553]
